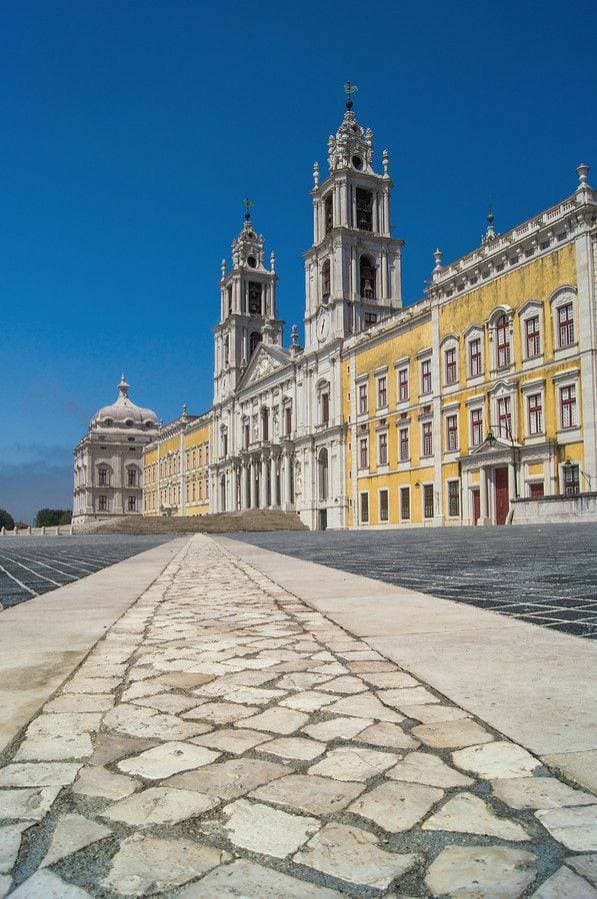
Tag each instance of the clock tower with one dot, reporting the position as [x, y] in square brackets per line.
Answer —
[354, 267]
[247, 309]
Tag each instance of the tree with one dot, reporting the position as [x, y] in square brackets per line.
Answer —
[49, 518]
[6, 520]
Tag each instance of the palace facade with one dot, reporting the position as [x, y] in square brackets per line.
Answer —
[442, 413]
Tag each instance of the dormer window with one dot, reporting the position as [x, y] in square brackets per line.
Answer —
[254, 298]
[364, 200]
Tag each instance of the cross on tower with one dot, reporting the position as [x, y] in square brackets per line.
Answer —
[248, 205]
[349, 90]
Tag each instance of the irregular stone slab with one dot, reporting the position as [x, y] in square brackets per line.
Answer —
[140, 689]
[294, 748]
[407, 696]
[184, 680]
[90, 702]
[42, 747]
[396, 806]
[253, 695]
[73, 832]
[347, 684]
[309, 701]
[576, 828]
[496, 760]
[581, 767]
[386, 734]
[5, 883]
[364, 705]
[231, 740]
[111, 747]
[167, 702]
[228, 780]
[140, 722]
[353, 763]
[42, 774]
[221, 712]
[245, 879]
[310, 793]
[466, 813]
[337, 728]
[47, 885]
[586, 865]
[539, 793]
[10, 842]
[302, 680]
[452, 734]
[269, 831]
[158, 805]
[147, 864]
[30, 803]
[433, 713]
[96, 781]
[353, 855]
[167, 759]
[367, 667]
[481, 872]
[387, 680]
[276, 720]
[565, 884]
[92, 685]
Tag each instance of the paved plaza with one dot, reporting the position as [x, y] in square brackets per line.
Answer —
[30, 566]
[544, 575]
[225, 738]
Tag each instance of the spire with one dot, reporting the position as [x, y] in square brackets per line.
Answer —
[123, 388]
[247, 249]
[352, 146]
[248, 205]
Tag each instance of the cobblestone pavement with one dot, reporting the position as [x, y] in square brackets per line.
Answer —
[33, 565]
[546, 575]
[224, 739]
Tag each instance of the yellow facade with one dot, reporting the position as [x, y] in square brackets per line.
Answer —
[176, 468]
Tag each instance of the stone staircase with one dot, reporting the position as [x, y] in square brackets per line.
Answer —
[220, 523]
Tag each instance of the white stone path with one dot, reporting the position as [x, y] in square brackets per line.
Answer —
[224, 739]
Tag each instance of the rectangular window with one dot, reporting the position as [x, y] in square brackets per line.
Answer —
[188, 493]
[451, 373]
[476, 427]
[225, 444]
[383, 505]
[568, 406]
[364, 508]
[288, 415]
[363, 453]
[207, 453]
[362, 399]
[382, 393]
[533, 337]
[132, 504]
[474, 356]
[382, 455]
[246, 435]
[566, 325]
[132, 477]
[103, 503]
[503, 342]
[426, 376]
[504, 417]
[325, 408]
[402, 385]
[428, 500]
[571, 479]
[535, 410]
[103, 477]
[427, 439]
[403, 444]
[405, 503]
[453, 499]
[452, 433]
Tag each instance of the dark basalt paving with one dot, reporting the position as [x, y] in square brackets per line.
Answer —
[546, 575]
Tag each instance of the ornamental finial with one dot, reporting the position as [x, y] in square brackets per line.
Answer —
[349, 90]
[248, 204]
[582, 171]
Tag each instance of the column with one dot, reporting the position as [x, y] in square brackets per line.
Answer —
[252, 484]
[484, 511]
[272, 478]
[235, 497]
[263, 483]
[511, 481]
[385, 292]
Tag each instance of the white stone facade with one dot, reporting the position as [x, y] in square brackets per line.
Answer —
[108, 461]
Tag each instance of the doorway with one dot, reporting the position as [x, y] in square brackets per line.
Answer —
[502, 497]
[476, 505]
[323, 519]
[536, 491]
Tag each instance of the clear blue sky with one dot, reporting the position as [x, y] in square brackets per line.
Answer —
[131, 132]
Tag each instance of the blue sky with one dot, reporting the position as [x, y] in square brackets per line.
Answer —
[131, 132]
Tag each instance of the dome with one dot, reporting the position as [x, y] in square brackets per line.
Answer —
[124, 413]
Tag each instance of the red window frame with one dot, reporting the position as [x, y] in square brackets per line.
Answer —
[451, 432]
[403, 440]
[475, 360]
[476, 427]
[568, 406]
[502, 330]
[426, 376]
[533, 337]
[364, 452]
[504, 410]
[363, 405]
[402, 384]
[535, 413]
[566, 325]
[384, 505]
[382, 392]
[427, 439]
[382, 444]
[451, 371]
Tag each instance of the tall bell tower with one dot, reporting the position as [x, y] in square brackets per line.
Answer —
[354, 266]
[248, 312]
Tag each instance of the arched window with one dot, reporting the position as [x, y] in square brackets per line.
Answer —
[323, 473]
[254, 341]
[326, 281]
[367, 273]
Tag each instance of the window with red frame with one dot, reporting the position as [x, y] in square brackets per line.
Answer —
[402, 384]
[382, 392]
[363, 453]
[403, 444]
[476, 427]
[451, 433]
[362, 399]
[426, 376]
[427, 439]
[533, 337]
[382, 449]
[475, 362]
[566, 325]
[451, 374]
[504, 417]
[568, 406]
[535, 411]
[502, 330]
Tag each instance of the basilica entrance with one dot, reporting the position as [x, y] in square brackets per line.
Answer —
[502, 500]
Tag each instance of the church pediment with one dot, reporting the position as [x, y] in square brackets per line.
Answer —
[261, 366]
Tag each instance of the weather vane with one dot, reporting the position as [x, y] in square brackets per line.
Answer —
[248, 204]
[349, 90]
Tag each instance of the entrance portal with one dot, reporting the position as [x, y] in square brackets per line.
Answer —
[476, 505]
[502, 500]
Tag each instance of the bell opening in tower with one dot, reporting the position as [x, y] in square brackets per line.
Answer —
[254, 298]
[328, 213]
[364, 200]
[367, 273]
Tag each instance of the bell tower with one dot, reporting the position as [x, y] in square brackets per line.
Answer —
[247, 309]
[354, 266]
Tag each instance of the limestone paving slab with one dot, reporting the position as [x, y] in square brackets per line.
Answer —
[539, 793]
[232, 740]
[10, 841]
[576, 827]
[496, 760]
[563, 884]
[353, 763]
[158, 805]
[30, 803]
[425, 768]
[432, 714]
[585, 865]
[244, 878]
[396, 807]
[230, 779]
[38, 774]
[73, 832]
[276, 720]
[309, 701]
[386, 734]
[99, 782]
[45, 884]
[300, 748]
[452, 734]
[220, 712]
[166, 702]
[166, 760]
[259, 828]
[466, 813]
[481, 872]
[310, 793]
[338, 728]
[90, 702]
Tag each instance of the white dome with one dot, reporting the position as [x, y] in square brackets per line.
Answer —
[124, 413]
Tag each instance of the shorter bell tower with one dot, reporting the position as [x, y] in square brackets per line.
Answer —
[247, 309]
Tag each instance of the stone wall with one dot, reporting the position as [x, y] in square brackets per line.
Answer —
[549, 509]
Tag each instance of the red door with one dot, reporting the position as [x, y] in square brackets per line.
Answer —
[476, 506]
[502, 502]
[536, 490]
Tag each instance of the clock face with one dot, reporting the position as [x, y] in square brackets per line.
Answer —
[323, 326]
